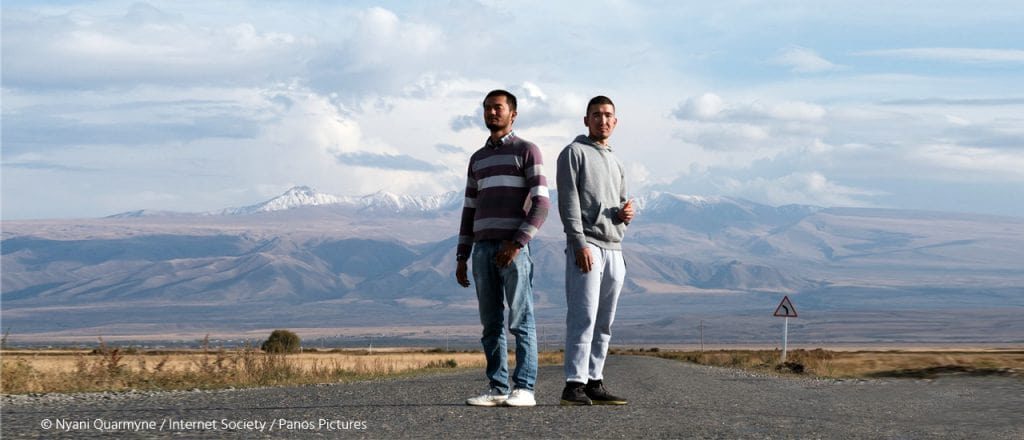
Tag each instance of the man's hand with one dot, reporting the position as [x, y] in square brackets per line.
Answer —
[508, 252]
[460, 273]
[584, 260]
[627, 212]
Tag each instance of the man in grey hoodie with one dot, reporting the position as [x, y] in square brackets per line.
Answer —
[593, 205]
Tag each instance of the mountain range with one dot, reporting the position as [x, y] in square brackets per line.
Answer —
[313, 261]
[304, 196]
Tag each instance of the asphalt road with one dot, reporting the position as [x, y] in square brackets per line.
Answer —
[670, 399]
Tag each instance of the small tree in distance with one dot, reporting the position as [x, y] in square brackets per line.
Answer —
[282, 341]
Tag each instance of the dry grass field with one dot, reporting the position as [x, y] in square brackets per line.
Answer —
[860, 364]
[112, 369]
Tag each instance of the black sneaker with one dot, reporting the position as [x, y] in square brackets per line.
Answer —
[600, 396]
[573, 395]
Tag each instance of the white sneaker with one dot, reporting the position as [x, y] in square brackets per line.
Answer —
[521, 397]
[492, 397]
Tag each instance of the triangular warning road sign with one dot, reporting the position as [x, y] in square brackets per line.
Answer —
[785, 309]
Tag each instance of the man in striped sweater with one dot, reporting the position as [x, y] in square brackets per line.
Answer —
[506, 202]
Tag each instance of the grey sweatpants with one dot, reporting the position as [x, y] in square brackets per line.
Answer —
[591, 298]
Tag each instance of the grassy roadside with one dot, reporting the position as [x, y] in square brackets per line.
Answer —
[857, 364]
[120, 369]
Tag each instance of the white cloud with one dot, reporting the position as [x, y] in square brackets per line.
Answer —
[787, 111]
[638, 176]
[765, 127]
[806, 188]
[952, 54]
[703, 107]
[81, 50]
[301, 137]
[213, 101]
[381, 39]
[710, 106]
[724, 136]
[802, 187]
[875, 146]
[329, 142]
[976, 160]
[803, 60]
[532, 92]
[383, 53]
[535, 108]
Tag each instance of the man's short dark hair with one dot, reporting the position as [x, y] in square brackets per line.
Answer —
[509, 97]
[598, 100]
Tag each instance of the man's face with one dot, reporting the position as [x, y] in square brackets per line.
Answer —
[497, 114]
[601, 121]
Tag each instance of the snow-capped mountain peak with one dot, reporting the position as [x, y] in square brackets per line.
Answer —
[385, 201]
[685, 208]
[295, 197]
[380, 201]
[657, 200]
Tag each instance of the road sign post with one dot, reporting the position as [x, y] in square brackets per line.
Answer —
[785, 310]
[702, 336]
[785, 338]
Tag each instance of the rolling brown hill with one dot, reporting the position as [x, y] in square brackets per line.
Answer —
[855, 274]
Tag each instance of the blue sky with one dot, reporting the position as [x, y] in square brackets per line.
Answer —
[111, 106]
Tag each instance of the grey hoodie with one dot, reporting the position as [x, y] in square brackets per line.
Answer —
[591, 190]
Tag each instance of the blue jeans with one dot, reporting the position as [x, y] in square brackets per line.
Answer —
[495, 286]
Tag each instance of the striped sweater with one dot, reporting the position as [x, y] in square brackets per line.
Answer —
[506, 194]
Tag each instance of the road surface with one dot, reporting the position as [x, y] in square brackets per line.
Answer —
[669, 399]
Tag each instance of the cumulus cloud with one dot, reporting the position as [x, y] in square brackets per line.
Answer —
[709, 106]
[639, 177]
[371, 50]
[381, 38]
[703, 107]
[847, 154]
[803, 60]
[863, 150]
[213, 102]
[383, 53]
[709, 121]
[287, 135]
[534, 109]
[724, 136]
[810, 188]
[144, 45]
